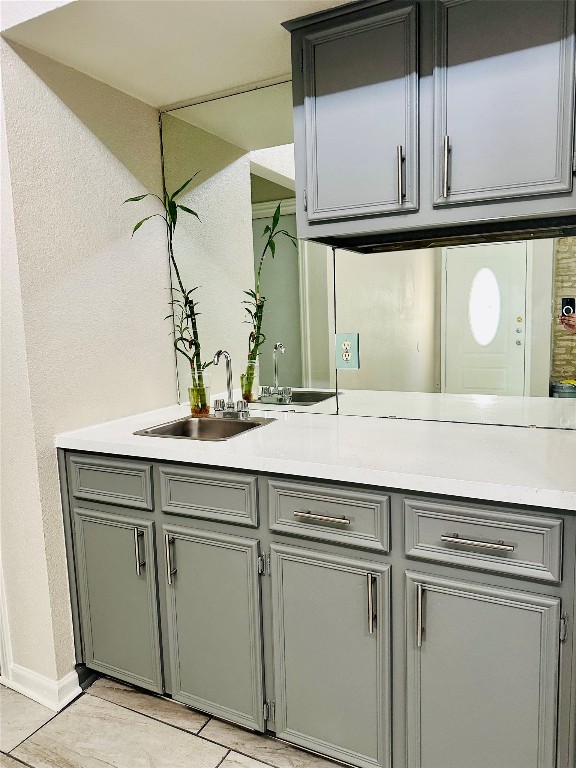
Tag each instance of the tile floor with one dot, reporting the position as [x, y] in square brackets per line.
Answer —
[113, 724]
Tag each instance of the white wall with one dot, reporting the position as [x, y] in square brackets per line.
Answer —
[84, 339]
[392, 300]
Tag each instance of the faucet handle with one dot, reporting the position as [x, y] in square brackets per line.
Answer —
[242, 406]
[219, 405]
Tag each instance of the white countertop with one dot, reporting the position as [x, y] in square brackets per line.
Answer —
[515, 465]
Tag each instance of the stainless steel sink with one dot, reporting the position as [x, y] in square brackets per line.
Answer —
[310, 397]
[206, 428]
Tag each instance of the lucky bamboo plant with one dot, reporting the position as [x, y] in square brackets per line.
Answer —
[184, 308]
[255, 307]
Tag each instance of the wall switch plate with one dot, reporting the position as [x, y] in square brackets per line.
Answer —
[348, 351]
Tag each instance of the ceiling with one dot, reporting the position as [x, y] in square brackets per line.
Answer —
[166, 52]
[251, 120]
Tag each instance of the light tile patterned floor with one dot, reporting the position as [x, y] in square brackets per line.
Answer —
[116, 725]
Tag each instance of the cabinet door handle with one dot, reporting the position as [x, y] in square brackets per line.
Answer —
[498, 545]
[399, 160]
[370, 579]
[445, 185]
[139, 563]
[322, 518]
[168, 541]
[419, 626]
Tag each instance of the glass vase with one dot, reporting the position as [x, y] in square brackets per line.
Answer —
[199, 394]
[250, 381]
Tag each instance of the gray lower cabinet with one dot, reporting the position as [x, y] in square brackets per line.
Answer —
[332, 654]
[289, 621]
[214, 623]
[482, 675]
[116, 575]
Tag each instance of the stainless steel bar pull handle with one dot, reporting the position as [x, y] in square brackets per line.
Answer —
[370, 578]
[139, 563]
[399, 160]
[322, 518]
[445, 172]
[498, 545]
[168, 541]
[419, 626]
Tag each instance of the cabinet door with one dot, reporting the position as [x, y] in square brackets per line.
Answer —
[215, 624]
[482, 676]
[332, 655]
[504, 99]
[118, 596]
[361, 90]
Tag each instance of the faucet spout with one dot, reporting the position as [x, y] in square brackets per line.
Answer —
[217, 356]
[278, 347]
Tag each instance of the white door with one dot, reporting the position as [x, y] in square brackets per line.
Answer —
[484, 319]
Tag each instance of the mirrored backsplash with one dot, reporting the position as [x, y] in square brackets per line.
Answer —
[464, 333]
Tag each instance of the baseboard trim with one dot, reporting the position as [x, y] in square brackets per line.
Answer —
[54, 694]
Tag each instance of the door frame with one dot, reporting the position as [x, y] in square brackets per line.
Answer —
[546, 338]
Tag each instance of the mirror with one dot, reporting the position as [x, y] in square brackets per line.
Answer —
[465, 333]
[241, 146]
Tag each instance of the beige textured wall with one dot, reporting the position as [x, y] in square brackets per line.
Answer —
[87, 339]
[563, 343]
[216, 253]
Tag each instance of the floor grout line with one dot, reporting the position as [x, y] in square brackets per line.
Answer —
[197, 734]
[34, 731]
[157, 719]
[17, 759]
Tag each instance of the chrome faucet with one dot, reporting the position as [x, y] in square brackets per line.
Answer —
[278, 347]
[228, 409]
[217, 356]
[276, 394]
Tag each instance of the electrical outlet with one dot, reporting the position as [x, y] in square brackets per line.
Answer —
[348, 351]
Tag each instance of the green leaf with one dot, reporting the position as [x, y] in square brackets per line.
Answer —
[266, 230]
[276, 217]
[137, 226]
[172, 211]
[183, 187]
[188, 210]
[272, 246]
[135, 199]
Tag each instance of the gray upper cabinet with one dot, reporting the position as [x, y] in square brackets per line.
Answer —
[214, 624]
[503, 99]
[361, 115]
[332, 655]
[482, 675]
[116, 575]
[423, 123]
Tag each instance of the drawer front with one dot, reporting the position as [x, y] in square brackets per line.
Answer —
[502, 542]
[334, 515]
[112, 481]
[223, 496]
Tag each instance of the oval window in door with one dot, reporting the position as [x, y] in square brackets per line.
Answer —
[484, 307]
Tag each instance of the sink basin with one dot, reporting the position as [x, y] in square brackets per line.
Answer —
[310, 397]
[206, 428]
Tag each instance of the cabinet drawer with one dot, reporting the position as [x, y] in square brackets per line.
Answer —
[502, 542]
[334, 515]
[112, 481]
[226, 497]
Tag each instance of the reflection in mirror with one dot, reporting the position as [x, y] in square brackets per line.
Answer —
[470, 332]
[466, 333]
[241, 146]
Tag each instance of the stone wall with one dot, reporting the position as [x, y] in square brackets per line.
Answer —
[563, 343]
